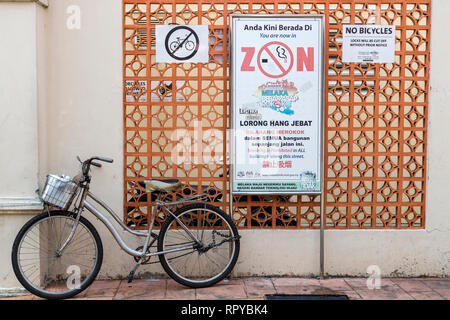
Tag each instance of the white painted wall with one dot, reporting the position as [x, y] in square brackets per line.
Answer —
[81, 114]
[18, 103]
[19, 95]
[84, 112]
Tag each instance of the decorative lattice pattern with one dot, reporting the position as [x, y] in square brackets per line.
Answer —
[376, 116]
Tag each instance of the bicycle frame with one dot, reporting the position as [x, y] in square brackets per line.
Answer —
[84, 203]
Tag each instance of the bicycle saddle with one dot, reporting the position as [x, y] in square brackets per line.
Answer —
[163, 185]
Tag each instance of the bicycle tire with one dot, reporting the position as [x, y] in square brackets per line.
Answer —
[189, 45]
[174, 45]
[49, 294]
[169, 225]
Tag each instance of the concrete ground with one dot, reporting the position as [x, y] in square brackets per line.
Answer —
[256, 288]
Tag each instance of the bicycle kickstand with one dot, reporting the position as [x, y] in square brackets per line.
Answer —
[132, 272]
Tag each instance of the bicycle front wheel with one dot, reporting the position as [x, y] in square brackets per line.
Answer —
[189, 45]
[48, 273]
[198, 265]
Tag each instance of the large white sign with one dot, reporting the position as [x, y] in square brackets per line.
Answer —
[179, 43]
[277, 99]
[368, 43]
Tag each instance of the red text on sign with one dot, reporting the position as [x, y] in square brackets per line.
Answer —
[305, 59]
[249, 53]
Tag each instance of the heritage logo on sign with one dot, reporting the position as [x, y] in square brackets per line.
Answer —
[277, 96]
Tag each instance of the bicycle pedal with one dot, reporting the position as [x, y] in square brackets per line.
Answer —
[131, 276]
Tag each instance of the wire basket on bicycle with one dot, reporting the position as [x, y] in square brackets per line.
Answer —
[59, 191]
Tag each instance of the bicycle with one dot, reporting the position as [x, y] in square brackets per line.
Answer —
[177, 44]
[58, 253]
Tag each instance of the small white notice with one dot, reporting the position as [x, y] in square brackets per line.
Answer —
[368, 43]
[179, 43]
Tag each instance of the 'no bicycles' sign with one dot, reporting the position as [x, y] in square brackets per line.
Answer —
[180, 43]
[277, 100]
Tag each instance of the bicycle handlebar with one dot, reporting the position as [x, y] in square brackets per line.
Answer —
[95, 164]
[109, 160]
[86, 165]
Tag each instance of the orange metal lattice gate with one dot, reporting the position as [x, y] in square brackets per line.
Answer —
[376, 116]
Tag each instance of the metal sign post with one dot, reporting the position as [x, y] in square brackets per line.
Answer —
[277, 107]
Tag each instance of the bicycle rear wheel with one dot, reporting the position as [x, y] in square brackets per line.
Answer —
[49, 274]
[174, 46]
[199, 265]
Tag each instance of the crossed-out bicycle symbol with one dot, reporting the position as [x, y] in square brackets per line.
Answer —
[177, 44]
[182, 43]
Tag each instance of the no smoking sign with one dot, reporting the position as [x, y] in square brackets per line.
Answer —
[275, 59]
[276, 100]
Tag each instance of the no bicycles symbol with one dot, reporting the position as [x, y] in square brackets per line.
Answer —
[182, 43]
[275, 59]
